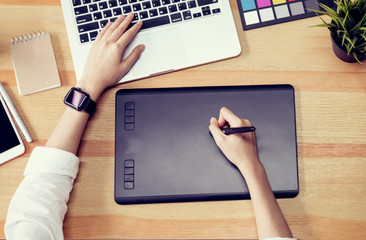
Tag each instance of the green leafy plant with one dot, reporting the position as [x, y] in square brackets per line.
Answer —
[347, 26]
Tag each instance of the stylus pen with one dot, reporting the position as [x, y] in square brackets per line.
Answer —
[229, 131]
[15, 114]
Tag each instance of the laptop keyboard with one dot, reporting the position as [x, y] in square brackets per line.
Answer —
[92, 15]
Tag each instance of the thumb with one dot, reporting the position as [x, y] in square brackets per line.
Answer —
[216, 132]
[128, 62]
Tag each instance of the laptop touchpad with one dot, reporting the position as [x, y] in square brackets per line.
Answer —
[164, 51]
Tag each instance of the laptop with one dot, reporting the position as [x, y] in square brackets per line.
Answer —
[165, 153]
[177, 33]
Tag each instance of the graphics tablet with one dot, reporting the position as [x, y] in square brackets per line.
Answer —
[165, 153]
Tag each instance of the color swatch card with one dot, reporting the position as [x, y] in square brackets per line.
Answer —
[261, 13]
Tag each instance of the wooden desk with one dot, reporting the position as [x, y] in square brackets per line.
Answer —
[331, 128]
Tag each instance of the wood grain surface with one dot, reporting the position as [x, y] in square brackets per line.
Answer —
[331, 130]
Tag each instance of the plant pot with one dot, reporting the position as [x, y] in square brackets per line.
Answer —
[341, 54]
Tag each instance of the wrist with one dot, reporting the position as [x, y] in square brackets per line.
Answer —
[251, 169]
[80, 100]
[93, 91]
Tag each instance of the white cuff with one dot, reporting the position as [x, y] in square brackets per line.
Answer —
[52, 160]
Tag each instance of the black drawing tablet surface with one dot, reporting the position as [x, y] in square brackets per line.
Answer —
[165, 153]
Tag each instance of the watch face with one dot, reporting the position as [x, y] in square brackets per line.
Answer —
[76, 99]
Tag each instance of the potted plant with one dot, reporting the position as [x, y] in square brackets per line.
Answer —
[347, 28]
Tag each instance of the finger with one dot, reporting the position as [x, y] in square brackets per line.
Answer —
[228, 116]
[216, 132]
[121, 28]
[101, 33]
[132, 58]
[113, 26]
[254, 141]
[127, 37]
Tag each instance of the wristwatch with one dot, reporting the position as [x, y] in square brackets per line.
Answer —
[80, 100]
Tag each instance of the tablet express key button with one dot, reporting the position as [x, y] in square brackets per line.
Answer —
[129, 174]
[129, 116]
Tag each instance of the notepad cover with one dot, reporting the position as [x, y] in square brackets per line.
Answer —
[34, 63]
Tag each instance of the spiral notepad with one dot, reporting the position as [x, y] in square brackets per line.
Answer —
[34, 62]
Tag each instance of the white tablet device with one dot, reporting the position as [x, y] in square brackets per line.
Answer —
[11, 144]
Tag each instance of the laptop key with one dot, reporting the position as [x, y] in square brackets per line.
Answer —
[83, 18]
[112, 3]
[93, 35]
[146, 5]
[206, 11]
[136, 17]
[173, 8]
[165, 2]
[156, 3]
[84, 38]
[153, 13]
[117, 11]
[205, 2]
[103, 23]
[216, 10]
[88, 27]
[127, 9]
[122, 2]
[196, 15]
[155, 22]
[81, 10]
[107, 13]
[143, 15]
[163, 10]
[176, 17]
[97, 16]
[93, 7]
[192, 4]
[182, 6]
[76, 2]
[187, 15]
[103, 5]
[136, 7]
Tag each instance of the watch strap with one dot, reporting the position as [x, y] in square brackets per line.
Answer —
[90, 107]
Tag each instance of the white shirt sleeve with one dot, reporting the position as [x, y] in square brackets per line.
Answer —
[39, 205]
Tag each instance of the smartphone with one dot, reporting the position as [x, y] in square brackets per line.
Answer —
[11, 144]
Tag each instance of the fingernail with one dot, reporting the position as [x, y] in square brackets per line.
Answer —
[212, 120]
[142, 48]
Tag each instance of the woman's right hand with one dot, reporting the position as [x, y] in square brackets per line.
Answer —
[239, 148]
